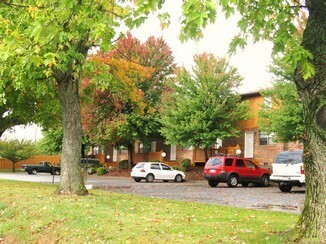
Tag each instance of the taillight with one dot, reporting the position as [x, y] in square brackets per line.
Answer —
[142, 170]
[302, 170]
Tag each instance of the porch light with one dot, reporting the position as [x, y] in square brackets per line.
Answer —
[238, 152]
[163, 154]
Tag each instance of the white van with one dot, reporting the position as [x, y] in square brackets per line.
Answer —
[288, 170]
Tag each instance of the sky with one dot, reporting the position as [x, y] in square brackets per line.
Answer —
[252, 62]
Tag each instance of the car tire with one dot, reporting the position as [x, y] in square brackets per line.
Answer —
[33, 171]
[245, 184]
[137, 179]
[178, 178]
[57, 172]
[149, 178]
[212, 183]
[284, 188]
[264, 181]
[29, 172]
[232, 181]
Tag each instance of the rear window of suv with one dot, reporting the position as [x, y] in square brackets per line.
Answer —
[289, 158]
[214, 161]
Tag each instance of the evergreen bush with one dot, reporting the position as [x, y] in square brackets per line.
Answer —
[185, 164]
[102, 171]
[123, 164]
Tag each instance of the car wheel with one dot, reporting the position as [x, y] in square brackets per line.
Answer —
[57, 172]
[137, 179]
[34, 171]
[284, 188]
[232, 181]
[149, 178]
[212, 183]
[245, 184]
[178, 178]
[264, 181]
[29, 172]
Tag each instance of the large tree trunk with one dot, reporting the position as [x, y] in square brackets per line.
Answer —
[71, 179]
[312, 223]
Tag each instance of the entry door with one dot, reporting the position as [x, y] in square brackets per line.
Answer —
[249, 145]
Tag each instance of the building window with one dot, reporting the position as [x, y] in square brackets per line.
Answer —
[153, 146]
[266, 138]
[123, 150]
[268, 102]
[144, 148]
[186, 148]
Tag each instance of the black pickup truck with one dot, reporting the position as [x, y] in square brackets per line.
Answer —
[46, 167]
[43, 167]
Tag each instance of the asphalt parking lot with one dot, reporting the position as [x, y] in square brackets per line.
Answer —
[269, 198]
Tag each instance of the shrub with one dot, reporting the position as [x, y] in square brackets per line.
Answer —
[102, 171]
[185, 164]
[123, 164]
[177, 168]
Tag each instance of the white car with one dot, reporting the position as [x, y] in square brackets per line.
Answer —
[150, 171]
[288, 170]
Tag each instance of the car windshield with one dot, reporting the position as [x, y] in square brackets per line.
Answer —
[214, 161]
[289, 158]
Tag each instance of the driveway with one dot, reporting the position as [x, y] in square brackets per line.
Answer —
[270, 198]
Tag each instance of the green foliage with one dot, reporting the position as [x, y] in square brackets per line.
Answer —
[51, 143]
[285, 117]
[185, 164]
[16, 150]
[202, 105]
[178, 168]
[123, 164]
[43, 49]
[102, 171]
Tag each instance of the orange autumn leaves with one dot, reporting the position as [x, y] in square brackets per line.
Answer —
[127, 81]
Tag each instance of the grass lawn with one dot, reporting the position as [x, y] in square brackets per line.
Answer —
[32, 213]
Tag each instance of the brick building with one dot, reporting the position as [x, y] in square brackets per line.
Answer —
[252, 142]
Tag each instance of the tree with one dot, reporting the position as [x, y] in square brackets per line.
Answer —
[107, 113]
[51, 143]
[128, 109]
[16, 151]
[202, 105]
[44, 46]
[275, 21]
[285, 116]
[16, 107]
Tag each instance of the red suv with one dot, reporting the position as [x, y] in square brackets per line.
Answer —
[233, 170]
